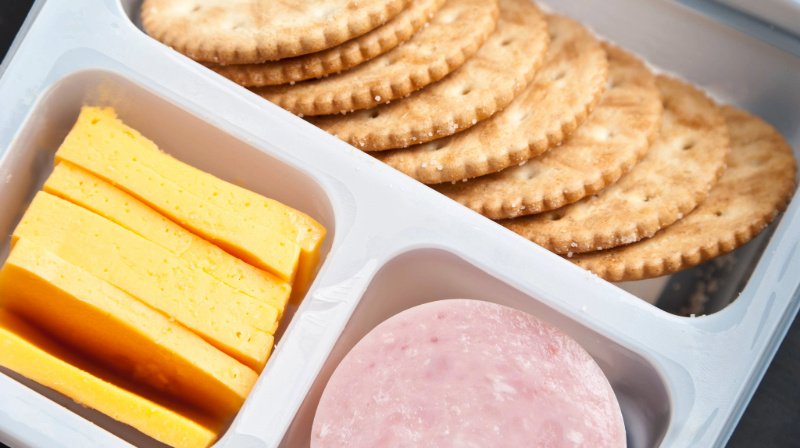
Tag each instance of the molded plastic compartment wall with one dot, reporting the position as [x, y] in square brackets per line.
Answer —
[425, 275]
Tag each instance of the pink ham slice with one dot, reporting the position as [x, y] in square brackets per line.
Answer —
[465, 373]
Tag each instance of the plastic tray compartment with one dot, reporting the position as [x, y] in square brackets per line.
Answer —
[429, 274]
[394, 239]
[29, 161]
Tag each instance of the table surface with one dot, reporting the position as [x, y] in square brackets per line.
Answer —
[771, 419]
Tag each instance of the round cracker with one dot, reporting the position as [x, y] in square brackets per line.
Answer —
[563, 92]
[677, 174]
[247, 32]
[453, 35]
[612, 140]
[757, 185]
[486, 83]
[341, 57]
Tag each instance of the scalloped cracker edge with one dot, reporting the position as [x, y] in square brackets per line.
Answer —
[561, 96]
[614, 138]
[341, 57]
[248, 32]
[676, 175]
[452, 36]
[757, 186]
[486, 83]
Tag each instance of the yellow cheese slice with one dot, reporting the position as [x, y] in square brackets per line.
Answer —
[103, 145]
[252, 207]
[115, 329]
[232, 321]
[263, 213]
[82, 188]
[23, 349]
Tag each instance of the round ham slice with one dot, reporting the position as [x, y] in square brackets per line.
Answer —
[465, 373]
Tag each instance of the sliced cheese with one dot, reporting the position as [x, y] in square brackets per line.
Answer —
[116, 330]
[103, 145]
[228, 319]
[252, 207]
[82, 188]
[262, 212]
[23, 349]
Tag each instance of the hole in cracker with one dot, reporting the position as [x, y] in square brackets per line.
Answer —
[506, 42]
[759, 161]
[614, 83]
[559, 75]
[649, 197]
[374, 114]
[237, 26]
[448, 18]
[466, 90]
[718, 213]
[519, 117]
[197, 8]
[688, 145]
[553, 36]
[436, 145]
[554, 216]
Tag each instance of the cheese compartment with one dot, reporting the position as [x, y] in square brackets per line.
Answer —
[29, 161]
[431, 274]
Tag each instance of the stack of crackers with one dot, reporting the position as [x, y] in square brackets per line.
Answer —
[524, 117]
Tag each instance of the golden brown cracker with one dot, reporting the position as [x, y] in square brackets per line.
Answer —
[453, 35]
[677, 174]
[486, 83]
[757, 185]
[247, 32]
[613, 139]
[341, 57]
[563, 92]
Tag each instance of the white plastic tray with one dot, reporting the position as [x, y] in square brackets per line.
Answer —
[393, 243]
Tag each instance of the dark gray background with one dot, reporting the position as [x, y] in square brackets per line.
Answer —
[773, 417]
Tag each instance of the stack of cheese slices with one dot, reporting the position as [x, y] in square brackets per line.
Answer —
[147, 289]
[524, 117]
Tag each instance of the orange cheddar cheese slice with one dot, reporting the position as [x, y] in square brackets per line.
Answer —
[28, 352]
[99, 130]
[252, 207]
[114, 329]
[232, 321]
[103, 145]
[74, 184]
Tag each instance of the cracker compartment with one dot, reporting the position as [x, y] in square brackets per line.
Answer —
[393, 243]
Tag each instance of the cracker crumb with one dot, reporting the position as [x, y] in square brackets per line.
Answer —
[291, 83]
[569, 254]
[439, 167]
[300, 115]
[474, 121]
[377, 98]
